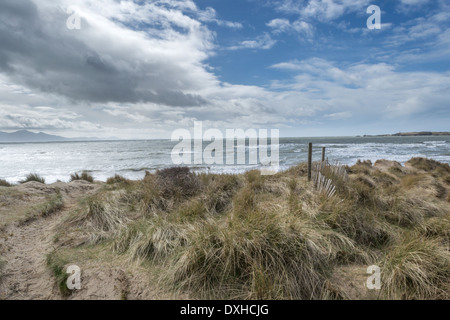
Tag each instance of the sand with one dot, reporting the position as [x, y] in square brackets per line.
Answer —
[24, 246]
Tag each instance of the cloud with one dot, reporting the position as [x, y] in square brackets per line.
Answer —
[263, 42]
[210, 15]
[279, 25]
[284, 25]
[339, 115]
[140, 70]
[429, 28]
[43, 118]
[407, 5]
[322, 10]
[367, 90]
[105, 61]
[414, 2]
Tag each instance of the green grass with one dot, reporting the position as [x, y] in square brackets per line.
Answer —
[2, 266]
[57, 265]
[33, 177]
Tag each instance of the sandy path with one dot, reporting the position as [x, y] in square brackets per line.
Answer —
[26, 276]
[25, 248]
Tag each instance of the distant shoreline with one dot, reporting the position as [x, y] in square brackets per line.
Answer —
[24, 136]
[412, 134]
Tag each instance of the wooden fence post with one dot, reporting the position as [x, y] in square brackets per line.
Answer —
[309, 161]
[323, 154]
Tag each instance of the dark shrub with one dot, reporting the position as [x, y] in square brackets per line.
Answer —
[177, 182]
[4, 183]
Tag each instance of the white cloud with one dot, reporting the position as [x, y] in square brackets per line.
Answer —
[284, 25]
[263, 42]
[414, 2]
[427, 28]
[339, 115]
[367, 90]
[322, 10]
[279, 25]
[409, 6]
[210, 15]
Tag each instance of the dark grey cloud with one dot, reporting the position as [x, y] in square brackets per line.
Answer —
[38, 51]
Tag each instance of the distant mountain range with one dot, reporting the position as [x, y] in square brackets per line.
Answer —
[28, 136]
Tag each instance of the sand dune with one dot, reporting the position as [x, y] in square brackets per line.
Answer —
[177, 235]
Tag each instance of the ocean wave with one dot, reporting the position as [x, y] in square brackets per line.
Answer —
[56, 161]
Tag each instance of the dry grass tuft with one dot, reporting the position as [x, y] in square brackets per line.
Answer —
[4, 183]
[362, 225]
[416, 268]
[257, 257]
[413, 180]
[97, 218]
[153, 241]
[362, 167]
[117, 179]
[219, 191]
[33, 177]
[85, 176]
[437, 227]
[428, 165]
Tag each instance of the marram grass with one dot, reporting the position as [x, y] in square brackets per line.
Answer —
[250, 236]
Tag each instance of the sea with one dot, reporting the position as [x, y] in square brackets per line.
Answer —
[131, 159]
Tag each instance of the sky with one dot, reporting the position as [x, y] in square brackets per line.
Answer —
[142, 69]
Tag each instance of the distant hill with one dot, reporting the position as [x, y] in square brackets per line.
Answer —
[28, 136]
[422, 133]
[412, 134]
